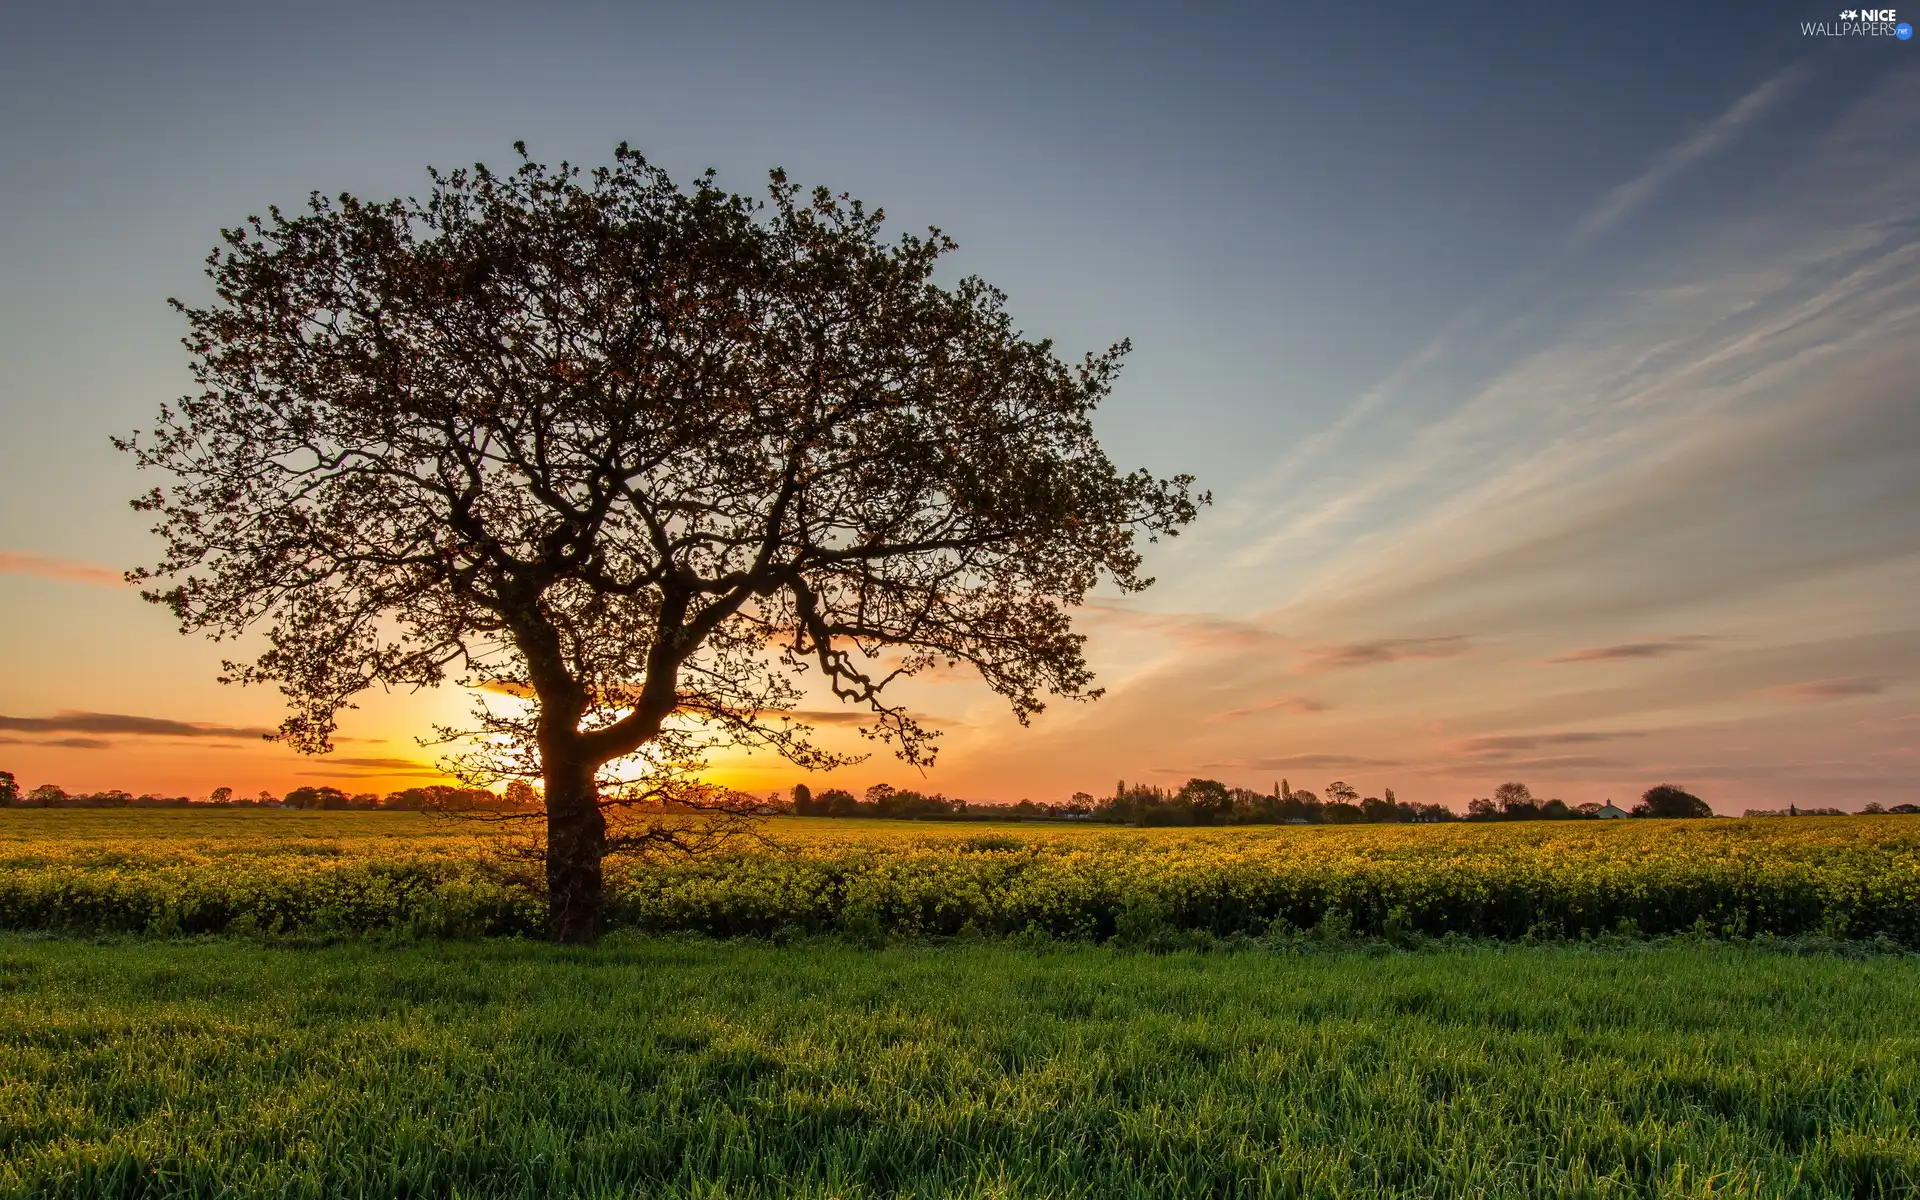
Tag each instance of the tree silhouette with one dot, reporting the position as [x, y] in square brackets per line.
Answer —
[1515, 801]
[1209, 800]
[641, 456]
[1667, 800]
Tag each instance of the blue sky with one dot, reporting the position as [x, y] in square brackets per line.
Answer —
[1553, 367]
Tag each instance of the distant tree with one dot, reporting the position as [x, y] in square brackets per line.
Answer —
[521, 794]
[221, 795]
[802, 800]
[1515, 801]
[440, 797]
[642, 454]
[1872, 808]
[1163, 813]
[837, 802]
[1667, 800]
[315, 797]
[1081, 804]
[879, 793]
[1556, 810]
[1302, 805]
[47, 795]
[1378, 810]
[910, 804]
[1340, 792]
[1905, 809]
[9, 789]
[1482, 809]
[1588, 808]
[1209, 800]
[1339, 812]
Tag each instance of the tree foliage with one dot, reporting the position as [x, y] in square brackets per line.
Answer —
[1668, 800]
[653, 460]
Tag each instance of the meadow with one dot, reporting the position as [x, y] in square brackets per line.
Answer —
[339, 873]
[698, 1068]
[268, 1003]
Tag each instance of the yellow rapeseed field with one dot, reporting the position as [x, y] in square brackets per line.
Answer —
[276, 871]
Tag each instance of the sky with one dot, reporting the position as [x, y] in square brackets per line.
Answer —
[1555, 369]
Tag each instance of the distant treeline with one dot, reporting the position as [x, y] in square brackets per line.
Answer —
[1869, 810]
[1211, 802]
[885, 800]
[435, 796]
[1197, 802]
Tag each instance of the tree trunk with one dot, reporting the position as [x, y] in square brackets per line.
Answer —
[576, 839]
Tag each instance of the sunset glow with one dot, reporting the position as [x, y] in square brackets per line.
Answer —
[1549, 441]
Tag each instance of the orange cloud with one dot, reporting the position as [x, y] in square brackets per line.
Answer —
[126, 725]
[366, 768]
[14, 562]
[70, 743]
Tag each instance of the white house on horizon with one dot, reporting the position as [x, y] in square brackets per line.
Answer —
[1610, 811]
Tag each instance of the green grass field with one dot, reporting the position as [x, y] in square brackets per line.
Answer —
[650, 1067]
[926, 1010]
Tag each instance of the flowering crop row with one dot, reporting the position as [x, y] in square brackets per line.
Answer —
[341, 873]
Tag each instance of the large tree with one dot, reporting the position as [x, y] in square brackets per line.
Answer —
[642, 455]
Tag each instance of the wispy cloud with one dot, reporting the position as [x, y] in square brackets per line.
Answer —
[1700, 421]
[1815, 690]
[122, 724]
[1643, 649]
[67, 743]
[1295, 705]
[1481, 326]
[1619, 203]
[1202, 631]
[846, 717]
[371, 768]
[1741, 393]
[14, 562]
[1284, 762]
[1501, 745]
[1551, 764]
[1348, 656]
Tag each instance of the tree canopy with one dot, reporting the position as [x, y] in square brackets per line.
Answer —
[656, 460]
[1667, 800]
